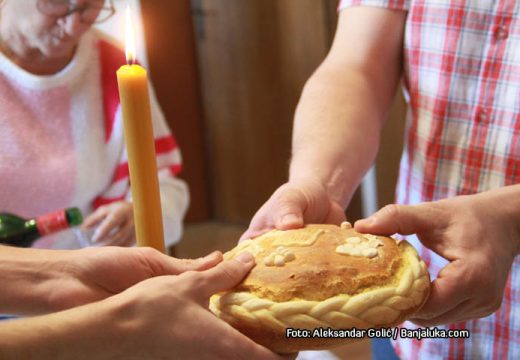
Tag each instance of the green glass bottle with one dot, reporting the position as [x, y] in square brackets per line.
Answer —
[17, 231]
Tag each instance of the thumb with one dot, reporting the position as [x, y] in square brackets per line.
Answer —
[288, 214]
[283, 210]
[449, 290]
[401, 219]
[224, 276]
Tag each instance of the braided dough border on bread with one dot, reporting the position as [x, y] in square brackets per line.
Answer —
[383, 306]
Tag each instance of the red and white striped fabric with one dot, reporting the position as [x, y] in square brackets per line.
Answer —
[462, 79]
[62, 139]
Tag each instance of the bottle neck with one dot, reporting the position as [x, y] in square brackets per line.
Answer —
[50, 223]
[31, 225]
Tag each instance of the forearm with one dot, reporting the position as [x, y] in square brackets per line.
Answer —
[346, 102]
[25, 274]
[81, 333]
[337, 129]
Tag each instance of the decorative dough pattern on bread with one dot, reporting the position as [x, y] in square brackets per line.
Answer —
[360, 246]
[279, 257]
[317, 287]
[373, 308]
[345, 225]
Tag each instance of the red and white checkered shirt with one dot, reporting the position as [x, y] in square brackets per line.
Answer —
[462, 79]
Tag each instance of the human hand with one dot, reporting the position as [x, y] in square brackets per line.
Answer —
[172, 310]
[479, 237]
[161, 318]
[114, 224]
[292, 205]
[78, 277]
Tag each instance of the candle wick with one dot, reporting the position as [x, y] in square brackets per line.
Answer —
[131, 61]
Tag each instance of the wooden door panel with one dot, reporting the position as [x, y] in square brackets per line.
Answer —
[254, 57]
[170, 43]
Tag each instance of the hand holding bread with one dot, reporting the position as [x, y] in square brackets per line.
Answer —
[478, 234]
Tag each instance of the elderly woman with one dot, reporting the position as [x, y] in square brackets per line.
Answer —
[60, 121]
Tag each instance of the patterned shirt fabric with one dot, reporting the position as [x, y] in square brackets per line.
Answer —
[462, 83]
[63, 141]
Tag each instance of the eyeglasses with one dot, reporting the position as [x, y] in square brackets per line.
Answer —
[91, 12]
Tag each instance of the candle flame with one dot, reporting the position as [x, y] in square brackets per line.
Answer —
[130, 37]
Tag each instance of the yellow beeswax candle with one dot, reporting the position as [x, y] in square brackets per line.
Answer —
[137, 119]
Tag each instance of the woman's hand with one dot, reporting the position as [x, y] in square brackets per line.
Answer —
[41, 281]
[114, 224]
[172, 310]
[96, 273]
[161, 318]
[478, 235]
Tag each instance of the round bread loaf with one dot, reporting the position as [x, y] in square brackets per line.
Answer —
[322, 276]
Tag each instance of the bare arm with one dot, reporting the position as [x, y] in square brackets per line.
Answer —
[161, 318]
[345, 103]
[38, 281]
[338, 121]
[480, 237]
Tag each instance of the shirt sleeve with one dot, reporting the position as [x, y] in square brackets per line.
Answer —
[387, 4]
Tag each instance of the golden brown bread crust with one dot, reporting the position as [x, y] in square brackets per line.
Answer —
[318, 272]
[314, 285]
